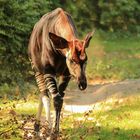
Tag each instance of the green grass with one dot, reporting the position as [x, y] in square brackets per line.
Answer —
[115, 121]
[114, 58]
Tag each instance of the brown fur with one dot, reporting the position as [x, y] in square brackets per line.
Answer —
[41, 50]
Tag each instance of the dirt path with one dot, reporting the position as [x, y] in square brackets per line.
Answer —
[77, 101]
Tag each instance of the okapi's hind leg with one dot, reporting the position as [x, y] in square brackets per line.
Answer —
[38, 116]
[44, 100]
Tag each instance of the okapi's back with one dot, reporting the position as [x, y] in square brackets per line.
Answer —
[40, 48]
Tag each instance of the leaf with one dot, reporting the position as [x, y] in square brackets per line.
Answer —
[12, 112]
[136, 136]
[116, 130]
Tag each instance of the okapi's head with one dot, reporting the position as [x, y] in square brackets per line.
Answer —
[76, 57]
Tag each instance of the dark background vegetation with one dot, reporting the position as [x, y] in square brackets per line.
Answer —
[119, 18]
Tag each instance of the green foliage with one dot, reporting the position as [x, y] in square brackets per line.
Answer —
[17, 20]
[107, 15]
[120, 14]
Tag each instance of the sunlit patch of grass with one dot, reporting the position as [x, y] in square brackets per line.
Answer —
[114, 120]
[127, 114]
[29, 107]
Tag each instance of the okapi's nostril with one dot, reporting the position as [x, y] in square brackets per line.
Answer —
[82, 86]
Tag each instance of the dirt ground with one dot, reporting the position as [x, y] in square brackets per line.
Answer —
[82, 101]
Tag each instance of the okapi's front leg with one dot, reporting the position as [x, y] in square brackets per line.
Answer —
[57, 95]
[63, 83]
[58, 100]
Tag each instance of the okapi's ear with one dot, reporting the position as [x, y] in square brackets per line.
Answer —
[59, 42]
[88, 38]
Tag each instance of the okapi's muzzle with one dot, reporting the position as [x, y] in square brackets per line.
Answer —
[82, 83]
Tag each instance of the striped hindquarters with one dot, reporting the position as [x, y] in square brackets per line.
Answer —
[51, 84]
[40, 82]
[46, 82]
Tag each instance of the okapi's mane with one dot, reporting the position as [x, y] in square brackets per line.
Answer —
[58, 22]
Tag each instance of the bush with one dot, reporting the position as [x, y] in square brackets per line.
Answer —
[17, 20]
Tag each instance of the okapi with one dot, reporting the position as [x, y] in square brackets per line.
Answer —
[55, 51]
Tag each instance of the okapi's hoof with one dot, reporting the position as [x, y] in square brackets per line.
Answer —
[36, 138]
[37, 126]
[46, 132]
[54, 135]
[36, 130]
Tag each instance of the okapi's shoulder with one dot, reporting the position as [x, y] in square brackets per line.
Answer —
[58, 11]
